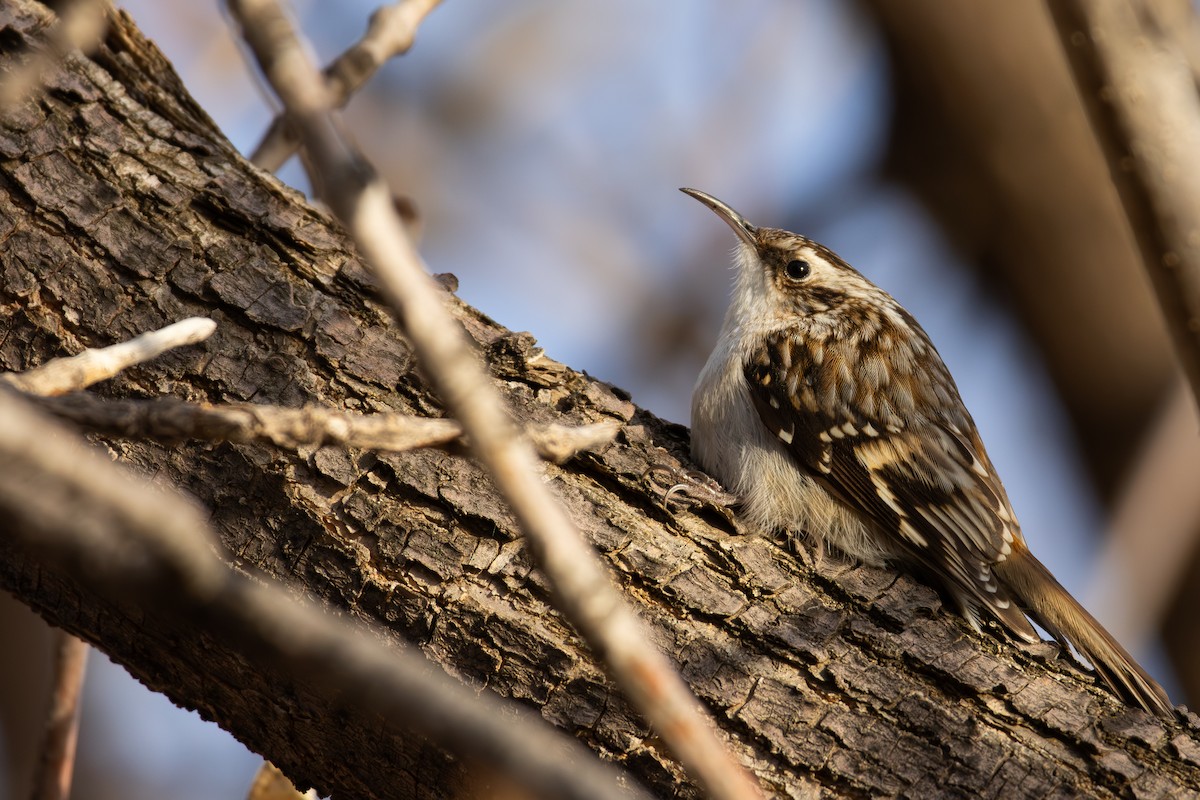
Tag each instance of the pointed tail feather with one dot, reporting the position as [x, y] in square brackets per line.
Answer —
[1049, 604]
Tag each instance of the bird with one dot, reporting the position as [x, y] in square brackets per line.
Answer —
[825, 408]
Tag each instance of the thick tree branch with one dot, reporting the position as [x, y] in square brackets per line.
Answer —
[121, 209]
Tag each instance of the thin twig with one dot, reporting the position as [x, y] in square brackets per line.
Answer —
[1140, 92]
[561, 443]
[67, 504]
[391, 33]
[64, 375]
[170, 419]
[56, 764]
[79, 25]
[582, 586]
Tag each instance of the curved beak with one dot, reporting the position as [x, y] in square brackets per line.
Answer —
[741, 227]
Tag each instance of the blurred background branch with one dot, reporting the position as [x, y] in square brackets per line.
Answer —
[1137, 67]
[1141, 91]
[56, 765]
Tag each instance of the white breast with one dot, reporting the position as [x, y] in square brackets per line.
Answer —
[732, 444]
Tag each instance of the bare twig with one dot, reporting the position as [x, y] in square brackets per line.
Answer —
[57, 762]
[561, 443]
[64, 375]
[79, 25]
[391, 33]
[171, 419]
[582, 586]
[75, 508]
[1141, 94]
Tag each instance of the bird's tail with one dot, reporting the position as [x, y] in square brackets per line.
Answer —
[1049, 604]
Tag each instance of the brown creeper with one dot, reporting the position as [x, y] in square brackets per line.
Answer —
[825, 408]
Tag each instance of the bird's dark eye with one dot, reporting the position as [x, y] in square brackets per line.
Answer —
[798, 269]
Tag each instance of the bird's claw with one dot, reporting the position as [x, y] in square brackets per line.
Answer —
[688, 487]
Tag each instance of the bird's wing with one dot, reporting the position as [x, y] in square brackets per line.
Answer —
[925, 482]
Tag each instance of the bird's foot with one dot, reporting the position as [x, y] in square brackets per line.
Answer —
[808, 550]
[688, 488]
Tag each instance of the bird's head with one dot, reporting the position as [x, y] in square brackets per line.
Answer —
[786, 279]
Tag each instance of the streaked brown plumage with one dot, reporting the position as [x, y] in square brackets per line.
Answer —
[825, 408]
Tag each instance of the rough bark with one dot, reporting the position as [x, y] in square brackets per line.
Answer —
[122, 208]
